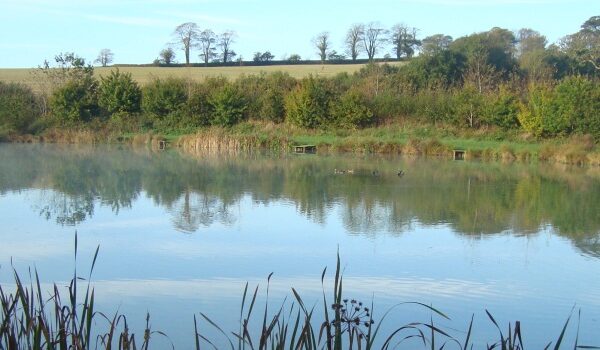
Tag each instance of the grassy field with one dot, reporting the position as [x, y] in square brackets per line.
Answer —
[144, 74]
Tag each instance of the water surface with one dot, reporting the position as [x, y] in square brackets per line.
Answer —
[182, 234]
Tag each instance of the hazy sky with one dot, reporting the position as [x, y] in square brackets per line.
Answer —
[136, 30]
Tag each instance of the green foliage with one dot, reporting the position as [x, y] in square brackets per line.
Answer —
[577, 101]
[198, 109]
[534, 113]
[502, 109]
[228, 106]
[308, 105]
[19, 108]
[469, 107]
[351, 111]
[163, 97]
[272, 105]
[572, 106]
[442, 69]
[119, 93]
[76, 101]
[495, 48]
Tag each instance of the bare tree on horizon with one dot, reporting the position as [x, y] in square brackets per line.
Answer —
[187, 36]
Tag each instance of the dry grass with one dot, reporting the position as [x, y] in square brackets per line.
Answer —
[145, 74]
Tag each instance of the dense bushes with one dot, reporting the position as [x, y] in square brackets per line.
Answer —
[228, 106]
[308, 105]
[119, 93]
[573, 106]
[376, 94]
[19, 108]
[76, 101]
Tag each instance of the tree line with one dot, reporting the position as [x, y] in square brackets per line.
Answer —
[372, 39]
[495, 79]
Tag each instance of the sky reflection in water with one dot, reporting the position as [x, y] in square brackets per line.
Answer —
[182, 234]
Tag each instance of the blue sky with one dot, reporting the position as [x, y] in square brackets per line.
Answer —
[136, 30]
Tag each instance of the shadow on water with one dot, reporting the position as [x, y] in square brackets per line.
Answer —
[474, 199]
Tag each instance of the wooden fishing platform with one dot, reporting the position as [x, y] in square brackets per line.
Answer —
[459, 154]
[305, 149]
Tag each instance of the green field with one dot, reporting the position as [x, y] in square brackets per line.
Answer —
[144, 74]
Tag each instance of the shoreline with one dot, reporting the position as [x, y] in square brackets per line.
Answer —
[408, 140]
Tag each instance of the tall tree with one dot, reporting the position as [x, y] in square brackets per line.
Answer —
[321, 41]
[495, 48]
[167, 56]
[353, 39]
[208, 40]
[263, 56]
[373, 39]
[584, 46]
[532, 55]
[434, 44]
[224, 42]
[404, 39]
[529, 40]
[105, 57]
[187, 36]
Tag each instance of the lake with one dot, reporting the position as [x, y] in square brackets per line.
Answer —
[181, 234]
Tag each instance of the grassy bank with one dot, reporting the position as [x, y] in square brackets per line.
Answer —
[35, 318]
[394, 139]
[402, 139]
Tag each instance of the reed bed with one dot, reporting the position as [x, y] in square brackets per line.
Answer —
[32, 320]
[218, 141]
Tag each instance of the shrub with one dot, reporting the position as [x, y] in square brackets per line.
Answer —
[161, 98]
[75, 101]
[502, 110]
[308, 105]
[19, 108]
[228, 106]
[351, 111]
[119, 93]
[533, 113]
[469, 107]
[272, 106]
[577, 102]
[198, 109]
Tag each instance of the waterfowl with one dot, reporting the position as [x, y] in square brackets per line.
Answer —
[400, 173]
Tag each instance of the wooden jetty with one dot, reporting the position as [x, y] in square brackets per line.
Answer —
[459, 154]
[305, 149]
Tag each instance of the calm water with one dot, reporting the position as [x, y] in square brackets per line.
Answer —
[182, 234]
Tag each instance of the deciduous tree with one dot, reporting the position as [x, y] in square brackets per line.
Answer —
[208, 40]
[584, 46]
[105, 57]
[187, 36]
[354, 37]
[373, 39]
[529, 40]
[322, 43]
[263, 56]
[224, 42]
[404, 39]
[167, 56]
[434, 44]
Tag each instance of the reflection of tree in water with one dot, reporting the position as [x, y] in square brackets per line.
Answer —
[66, 209]
[193, 210]
[473, 199]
